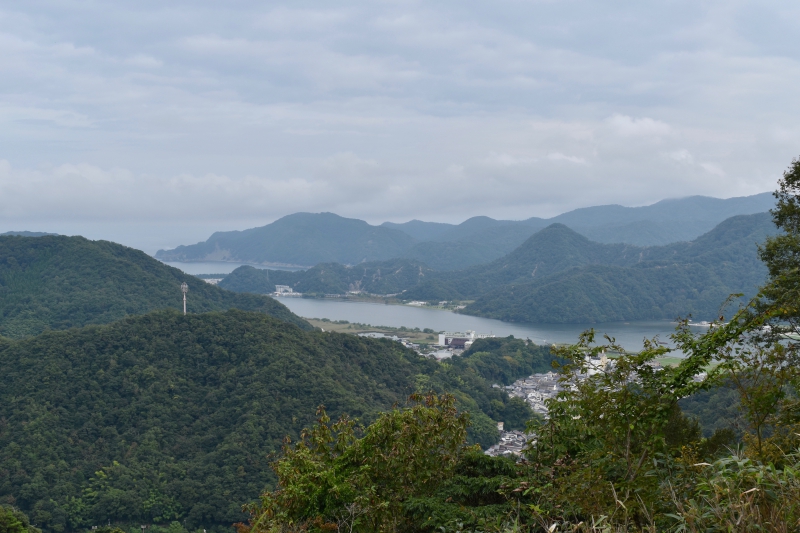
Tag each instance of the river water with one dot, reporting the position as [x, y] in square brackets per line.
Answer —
[628, 334]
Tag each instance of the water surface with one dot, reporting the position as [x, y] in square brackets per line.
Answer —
[628, 334]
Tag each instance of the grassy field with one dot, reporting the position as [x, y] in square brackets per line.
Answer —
[342, 326]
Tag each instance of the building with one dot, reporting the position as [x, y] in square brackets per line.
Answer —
[447, 338]
[285, 290]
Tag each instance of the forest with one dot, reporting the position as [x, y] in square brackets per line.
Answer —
[55, 282]
[166, 417]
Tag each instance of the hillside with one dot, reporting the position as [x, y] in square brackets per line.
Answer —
[610, 283]
[302, 239]
[386, 277]
[62, 282]
[180, 413]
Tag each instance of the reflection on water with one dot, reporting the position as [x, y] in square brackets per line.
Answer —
[628, 334]
[216, 267]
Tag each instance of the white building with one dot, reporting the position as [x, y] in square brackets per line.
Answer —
[446, 338]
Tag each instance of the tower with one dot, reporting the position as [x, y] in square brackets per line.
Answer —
[184, 290]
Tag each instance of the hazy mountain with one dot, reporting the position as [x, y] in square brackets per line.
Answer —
[419, 230]
[306, 239]
[664, 222]
[26, 234]
[62, 282]
[162, 416]
[302, 239]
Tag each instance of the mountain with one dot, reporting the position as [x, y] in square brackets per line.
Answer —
[667, 221]
[604, 284]
[558, 275]
[302, 239]
[419, 230]
[165, 417]
[26, 234]
[61, 282]
[307, 239]
[386, 277]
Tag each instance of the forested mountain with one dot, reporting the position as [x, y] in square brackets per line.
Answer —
[630, 284]
[168, 417]
[558, 275]
[307, 239]
[56, 282]
[302, 239]
[386, 277]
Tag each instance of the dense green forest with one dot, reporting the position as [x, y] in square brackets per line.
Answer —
[53, 282]
[167, 417]
[628, 284]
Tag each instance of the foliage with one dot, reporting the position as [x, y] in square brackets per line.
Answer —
[333, 480]
[387, 277]
[15, 521]
[505, 360]
[737, 494]
[715, 408]
[54, 282]
[167, 417]
[609, 428]
[591, 282]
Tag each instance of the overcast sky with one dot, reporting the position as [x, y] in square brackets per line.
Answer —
[156, 123]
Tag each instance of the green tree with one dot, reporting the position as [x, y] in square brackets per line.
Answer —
[333, 480]
[15, 521]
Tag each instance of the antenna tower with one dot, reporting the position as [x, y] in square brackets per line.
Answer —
[184, 290]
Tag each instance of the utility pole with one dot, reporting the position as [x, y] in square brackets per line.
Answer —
[184, 290]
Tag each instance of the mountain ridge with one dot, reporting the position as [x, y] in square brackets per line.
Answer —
[306, 239]
[559, 266]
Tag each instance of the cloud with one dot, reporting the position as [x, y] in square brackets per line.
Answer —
[392, 110]
[638, 127]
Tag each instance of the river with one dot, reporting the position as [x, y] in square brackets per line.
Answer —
[628, 334]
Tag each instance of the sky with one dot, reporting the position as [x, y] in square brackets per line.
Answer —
[155, 124]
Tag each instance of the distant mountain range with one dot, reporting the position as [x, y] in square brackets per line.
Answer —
[307, 239]
[56, 282]
[558, 275]
[26, 234]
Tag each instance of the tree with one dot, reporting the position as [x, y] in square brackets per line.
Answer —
[15, 521]
[333, 480]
